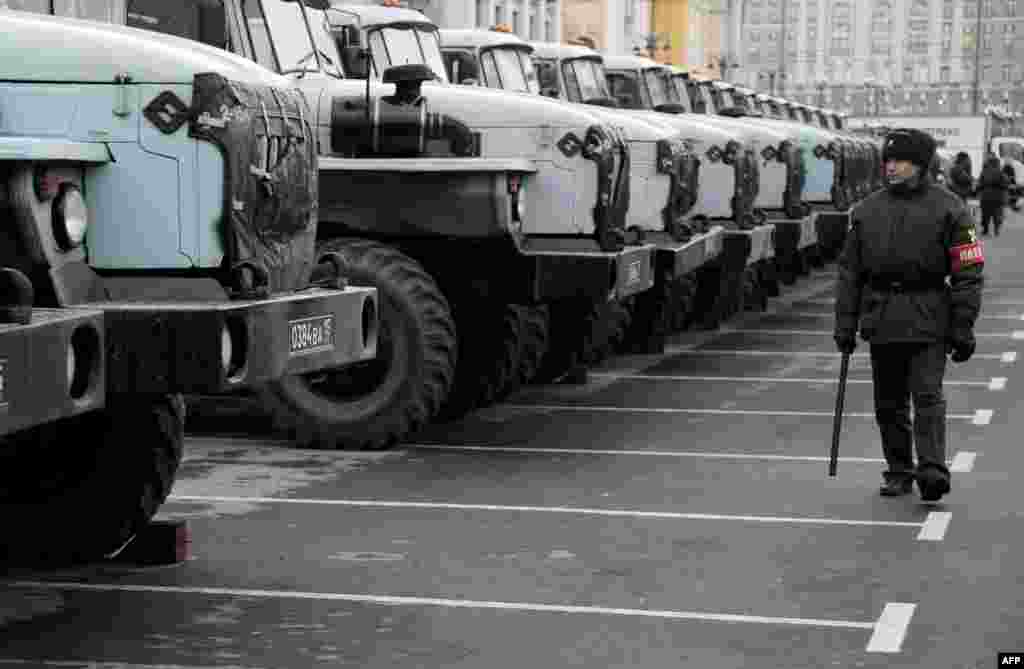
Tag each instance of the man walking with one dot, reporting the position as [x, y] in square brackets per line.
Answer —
[903, 242]
[993, 187]
[961, 178]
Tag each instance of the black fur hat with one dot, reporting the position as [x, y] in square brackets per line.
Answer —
[909, 144]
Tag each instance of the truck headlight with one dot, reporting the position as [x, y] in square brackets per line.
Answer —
[517, 194]
[70, 217]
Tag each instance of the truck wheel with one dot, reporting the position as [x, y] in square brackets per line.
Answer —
[488, 357]
[533, 342]
[570, 326]
[611, 323]
[374, 404]
[80, 488]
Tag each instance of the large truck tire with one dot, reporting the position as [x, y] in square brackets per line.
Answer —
[533, 342]
[611, 322]
[375, 404]
[570, 327]
[488, 357]
[80, 488]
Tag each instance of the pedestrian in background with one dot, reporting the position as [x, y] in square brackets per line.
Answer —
[903, 243]
[993, 188]
[961, 176]
[1011, 176]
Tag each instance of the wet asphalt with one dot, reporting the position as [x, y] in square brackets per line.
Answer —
[675, 511]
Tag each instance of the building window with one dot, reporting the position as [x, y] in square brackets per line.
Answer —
[986, 8]
[986, 42]
[986, 72]
[969, 8]
[947, 44]
[947, 29]
[1008, 72]
[499, 14]
[481, 13]
[908, 74]
[947, 10]
[1011, 8]
[988, 27]
[944, 74]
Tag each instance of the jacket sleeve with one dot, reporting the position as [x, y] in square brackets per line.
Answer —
[848, 285]
[966, 261]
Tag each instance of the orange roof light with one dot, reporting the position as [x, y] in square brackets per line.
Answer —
[391, 3]
[502, 28]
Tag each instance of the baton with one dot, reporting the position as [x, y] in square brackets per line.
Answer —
[834, 455]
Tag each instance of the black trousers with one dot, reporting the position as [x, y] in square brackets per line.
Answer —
[991, 213]
[903, 372]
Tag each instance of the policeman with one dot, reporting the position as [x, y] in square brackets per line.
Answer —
[903, 243]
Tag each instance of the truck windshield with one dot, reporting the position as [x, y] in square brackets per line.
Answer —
[584, 79]
[709, 100]
[197, 20]
[682, 94]
[625, 88]
[505, 70]
[292, 41]
[402, 45]
[655, 80]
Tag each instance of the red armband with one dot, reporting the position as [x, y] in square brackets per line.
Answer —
[966, 255]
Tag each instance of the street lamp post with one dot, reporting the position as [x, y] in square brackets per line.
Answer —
[977, 56]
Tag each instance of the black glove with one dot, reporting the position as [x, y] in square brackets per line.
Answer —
[845, 342]
[962, 345]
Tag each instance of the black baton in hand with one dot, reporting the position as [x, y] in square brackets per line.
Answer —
[834, 455]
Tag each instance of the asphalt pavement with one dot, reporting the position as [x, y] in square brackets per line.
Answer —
[675, 511]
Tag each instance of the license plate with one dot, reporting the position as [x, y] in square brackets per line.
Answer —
[3, 382]
[633, 273]
[310, 335]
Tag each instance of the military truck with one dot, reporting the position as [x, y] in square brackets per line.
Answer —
[170, 188]
[492, 225]
[663, 191]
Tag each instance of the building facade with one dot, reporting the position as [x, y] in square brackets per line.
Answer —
[615, 27]
[885, 56]
[536, 20]
[692, 34]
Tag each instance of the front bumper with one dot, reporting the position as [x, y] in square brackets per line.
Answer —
[675, 259]
[554, 270]
[39, 383]
[756, 244]
[792, 236]
[157, 347]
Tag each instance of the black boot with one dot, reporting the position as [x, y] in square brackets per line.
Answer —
[896, 486]
[930, 440]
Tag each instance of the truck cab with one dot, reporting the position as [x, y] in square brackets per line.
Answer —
[825, 151]
[140, 182]
[783, 166]
[638, 84]
[474, 212]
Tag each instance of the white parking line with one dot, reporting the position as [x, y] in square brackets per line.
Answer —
[979, 417]
[935, 526]
[891, 628]
[570, 510]
[995, 383]
[883, 638]
[963, 461]
[1017, 334]
[813, 314]
[99, 664]
[1009, 356]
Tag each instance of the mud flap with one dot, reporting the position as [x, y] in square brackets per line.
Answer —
[270, 163]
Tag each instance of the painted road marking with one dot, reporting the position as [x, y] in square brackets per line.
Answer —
[812, 314]
[891, 628]
[882, 638]
[1009, 356]
[995, 383]
[935, 526]
[982, 417]
[963, 461]
[100, 664]
[1017, 334]
[979, 417]
[570, 510]
[830, 301]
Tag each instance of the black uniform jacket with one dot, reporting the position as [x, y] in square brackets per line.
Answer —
[893, 271]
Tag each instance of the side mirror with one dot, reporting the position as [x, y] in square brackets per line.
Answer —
[549, 92]
[670, 108]
[356, 61]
